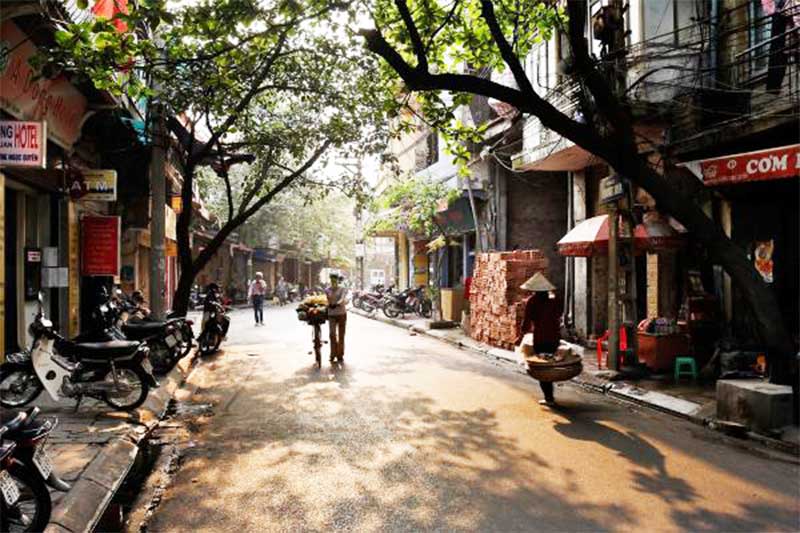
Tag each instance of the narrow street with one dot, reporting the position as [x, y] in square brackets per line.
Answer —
[413, 434]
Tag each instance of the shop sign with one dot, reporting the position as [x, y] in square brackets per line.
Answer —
[100, 246]
[611, 189]
[25, 97]
[777, 163]
[101, 185]
[93, 185]
[23, 144]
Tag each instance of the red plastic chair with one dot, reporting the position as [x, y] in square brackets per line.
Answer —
[623, 346]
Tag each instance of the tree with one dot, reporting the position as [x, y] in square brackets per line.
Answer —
[426, 43]
[276, 83]
[412, 205]
[314, 214]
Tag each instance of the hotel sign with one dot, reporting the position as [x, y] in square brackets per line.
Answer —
[23, 144]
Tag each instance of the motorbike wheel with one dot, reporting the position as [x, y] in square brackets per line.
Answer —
[18, 385]
[32, 510]
[391, 310]
[367, 307]
[209, 343]
[187, 345]
[137, 379]
[162, 357]
[425, 309]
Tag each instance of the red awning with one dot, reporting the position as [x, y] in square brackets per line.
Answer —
[771, 164]
[590, 237]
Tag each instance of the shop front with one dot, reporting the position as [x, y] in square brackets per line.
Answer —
[758, 206]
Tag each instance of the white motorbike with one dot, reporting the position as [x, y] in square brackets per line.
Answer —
[115, 372]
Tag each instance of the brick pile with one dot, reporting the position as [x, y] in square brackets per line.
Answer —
[497, 304]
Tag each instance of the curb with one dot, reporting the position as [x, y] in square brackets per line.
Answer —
[83, 506]
[625, 394]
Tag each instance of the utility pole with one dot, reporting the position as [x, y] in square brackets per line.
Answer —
[619, 77]
[158, 195]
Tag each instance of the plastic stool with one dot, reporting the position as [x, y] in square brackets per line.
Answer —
[680, 363]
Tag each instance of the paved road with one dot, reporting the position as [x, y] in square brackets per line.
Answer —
[413, 434]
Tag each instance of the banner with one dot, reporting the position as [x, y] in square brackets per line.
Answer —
[776, 163]
[25, 97]
[23, 144]
[100, 246]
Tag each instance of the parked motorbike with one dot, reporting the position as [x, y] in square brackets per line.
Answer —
[168, 340]
[116, 372]
[371, 300]
[215, 323]
[408, 301]
[32, 470]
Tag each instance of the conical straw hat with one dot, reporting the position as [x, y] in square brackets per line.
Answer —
[538, 283]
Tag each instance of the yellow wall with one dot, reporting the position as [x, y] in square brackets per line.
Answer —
[402, 261]
[73, 296]
[2, 267]
[420, 269]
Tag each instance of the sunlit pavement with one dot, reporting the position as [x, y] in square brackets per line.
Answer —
[413, 434]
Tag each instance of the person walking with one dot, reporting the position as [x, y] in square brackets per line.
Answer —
[256, 293]
[282, 290]
[337, 317]
[542, 319]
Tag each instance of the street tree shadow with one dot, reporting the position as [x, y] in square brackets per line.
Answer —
[428, 468]
[650, 476]
[334, 448]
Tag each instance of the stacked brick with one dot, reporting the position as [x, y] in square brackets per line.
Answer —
[497, 304]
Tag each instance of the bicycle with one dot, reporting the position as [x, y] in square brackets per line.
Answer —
[314, 316]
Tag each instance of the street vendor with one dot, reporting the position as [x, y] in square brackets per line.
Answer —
[542, 319]
[337, 316]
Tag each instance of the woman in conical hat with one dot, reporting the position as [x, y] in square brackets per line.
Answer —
[542, 318]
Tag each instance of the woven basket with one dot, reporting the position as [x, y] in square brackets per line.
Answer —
[555, 371]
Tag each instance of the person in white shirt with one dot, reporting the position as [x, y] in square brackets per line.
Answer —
[256, 293]
[337, 317]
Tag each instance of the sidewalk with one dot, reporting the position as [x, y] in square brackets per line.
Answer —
[94, 449]
[690, 402]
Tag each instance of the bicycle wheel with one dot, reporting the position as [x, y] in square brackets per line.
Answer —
[318, 345]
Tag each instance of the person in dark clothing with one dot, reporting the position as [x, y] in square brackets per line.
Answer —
[542, 319]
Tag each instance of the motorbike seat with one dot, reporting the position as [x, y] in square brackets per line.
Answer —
[144, 327]
[105, 350]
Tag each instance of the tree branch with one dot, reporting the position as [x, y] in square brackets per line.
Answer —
[287, 180]
[246, 99]
[510, 58]
[413, 33]
[531, 103]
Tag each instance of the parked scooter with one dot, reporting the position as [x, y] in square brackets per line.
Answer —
[116, 372]
[369, 301]
[168, 340]
[32, 470]
[215, 322]
[408, 301]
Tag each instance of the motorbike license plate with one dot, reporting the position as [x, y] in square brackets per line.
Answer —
[8, 488]
[42, 461]
[171, 340]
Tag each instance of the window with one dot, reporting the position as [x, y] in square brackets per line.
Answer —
[543, 65]
[377, 277]
[760, 32]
